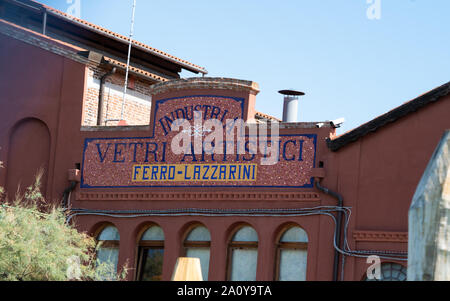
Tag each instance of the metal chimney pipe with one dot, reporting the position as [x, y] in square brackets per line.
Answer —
[290, 106]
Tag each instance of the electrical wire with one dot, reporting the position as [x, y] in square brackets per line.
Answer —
[278, 212]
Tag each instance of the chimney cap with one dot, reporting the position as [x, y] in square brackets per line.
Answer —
[291, 92]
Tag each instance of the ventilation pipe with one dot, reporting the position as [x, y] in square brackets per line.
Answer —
[44, 21]
[290, 107]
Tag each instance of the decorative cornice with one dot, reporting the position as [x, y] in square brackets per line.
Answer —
[197, 196]
[380, 236]
[205, 83]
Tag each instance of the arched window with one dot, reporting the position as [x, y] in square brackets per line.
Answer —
[243, 255]
[390, 271]
[197, 245]
[151, 255]
[292, 255]
[109, 248]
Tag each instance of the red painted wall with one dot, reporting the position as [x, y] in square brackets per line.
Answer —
[47, 88]
[376, 175]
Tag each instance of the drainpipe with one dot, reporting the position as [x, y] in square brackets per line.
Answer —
[74, 177]
[67, 192]
[100, 96]
[338, 225]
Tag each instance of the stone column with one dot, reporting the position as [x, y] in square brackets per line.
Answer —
[429, 220]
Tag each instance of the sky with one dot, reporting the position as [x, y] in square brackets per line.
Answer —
[355, 59]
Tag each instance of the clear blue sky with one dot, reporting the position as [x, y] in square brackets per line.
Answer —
[348, 65]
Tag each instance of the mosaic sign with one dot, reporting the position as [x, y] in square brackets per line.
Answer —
[240, 161]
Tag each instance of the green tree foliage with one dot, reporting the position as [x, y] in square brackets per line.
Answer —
[36, 244]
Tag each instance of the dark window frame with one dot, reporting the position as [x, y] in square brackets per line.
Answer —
[143, 246]
[286, 246]
[106, 243]
[236, 245]
[192, 244]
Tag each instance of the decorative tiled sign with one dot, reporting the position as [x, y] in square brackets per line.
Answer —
[152, 162]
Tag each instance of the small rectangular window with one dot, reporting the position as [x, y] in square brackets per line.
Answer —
[243, 264]
[150, 263]
[292, 265]
[203, 255]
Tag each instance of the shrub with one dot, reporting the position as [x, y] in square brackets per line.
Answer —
[36, 244]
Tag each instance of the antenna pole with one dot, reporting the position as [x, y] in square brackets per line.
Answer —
[128, 60]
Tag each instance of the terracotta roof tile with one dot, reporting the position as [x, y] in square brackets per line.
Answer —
[122, 37]
[136, 70]
[265, 116]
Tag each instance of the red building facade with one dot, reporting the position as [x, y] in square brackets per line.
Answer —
[327, 204]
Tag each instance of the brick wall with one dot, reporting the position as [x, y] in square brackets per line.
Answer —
[137, 102]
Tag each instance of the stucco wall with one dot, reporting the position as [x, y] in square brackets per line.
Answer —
[378, 175]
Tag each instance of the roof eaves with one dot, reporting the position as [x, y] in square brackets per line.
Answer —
[432, 96]
[100, 30]
[70, 51]
[39, 40]
[266, 116]
[135, 70]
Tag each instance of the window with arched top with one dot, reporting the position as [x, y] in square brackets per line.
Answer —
[151, 255]
[292, 255]
[390, 271]
[243, 255]
[109, 239]
[197, 245]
